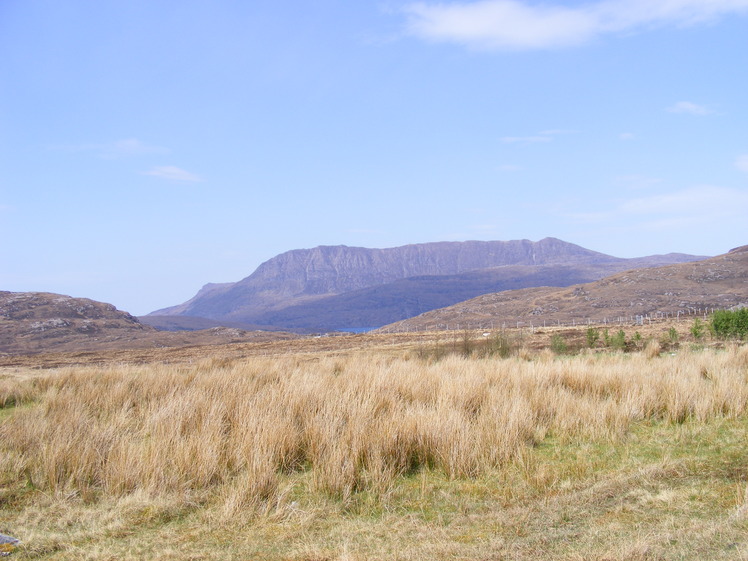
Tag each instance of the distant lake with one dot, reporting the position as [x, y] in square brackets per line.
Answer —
[356, 329]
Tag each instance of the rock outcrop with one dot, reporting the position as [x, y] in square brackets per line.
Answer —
[30, 321]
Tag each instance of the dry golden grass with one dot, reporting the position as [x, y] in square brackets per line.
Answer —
[458, 458]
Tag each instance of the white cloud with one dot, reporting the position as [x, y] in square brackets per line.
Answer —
[518, 24]
[173, 173]
[525, 139]
[690, 108]
[741, 162]
[499, 24]
[627, 136]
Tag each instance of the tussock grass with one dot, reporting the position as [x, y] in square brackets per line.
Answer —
[355, 424]
[255, 441]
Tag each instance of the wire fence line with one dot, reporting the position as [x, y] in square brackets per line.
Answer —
[639, 319]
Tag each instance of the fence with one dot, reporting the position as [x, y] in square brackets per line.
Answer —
[405, 327]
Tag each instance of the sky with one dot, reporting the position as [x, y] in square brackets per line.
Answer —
[148, 148]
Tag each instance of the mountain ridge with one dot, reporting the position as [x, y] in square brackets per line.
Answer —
[333, 287]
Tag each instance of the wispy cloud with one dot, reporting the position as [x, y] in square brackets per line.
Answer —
[689, 108]
[522, 25]
[694, 200]
[126, 147]
[627, 136]
[134, 147]
[173, 173]
[525, 139]
[741, 162]
[695, 205]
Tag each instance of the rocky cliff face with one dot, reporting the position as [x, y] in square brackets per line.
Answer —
[307, 277]
[338, 269]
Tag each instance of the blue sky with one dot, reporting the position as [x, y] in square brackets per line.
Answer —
[147, 148]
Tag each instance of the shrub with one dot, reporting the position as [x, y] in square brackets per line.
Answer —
[558, 345]
[593, 336]
[638, 341]
[466, 343]
[618, 341]
[697, 329]
[672, 335]
[501, 345]
[730, 323]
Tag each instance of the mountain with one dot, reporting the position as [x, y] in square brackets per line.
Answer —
[337, 287]
[719, 282]
[36, 322]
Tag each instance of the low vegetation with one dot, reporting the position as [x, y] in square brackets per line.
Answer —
[472, 449]
[730, 323]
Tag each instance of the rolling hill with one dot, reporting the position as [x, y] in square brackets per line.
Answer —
[719, 282]
[36, 322]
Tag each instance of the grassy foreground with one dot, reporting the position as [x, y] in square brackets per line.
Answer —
[372, 455]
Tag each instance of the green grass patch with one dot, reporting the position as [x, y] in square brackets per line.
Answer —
[664, 492]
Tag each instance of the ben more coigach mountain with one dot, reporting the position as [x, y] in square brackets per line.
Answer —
[340, 287]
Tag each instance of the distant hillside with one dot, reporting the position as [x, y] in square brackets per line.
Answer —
[719, 282]
[335, 287]
[36, 322]
[188, 323]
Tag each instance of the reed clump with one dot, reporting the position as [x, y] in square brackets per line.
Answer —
[231, 431]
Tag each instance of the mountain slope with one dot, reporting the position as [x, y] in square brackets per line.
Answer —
[718, 282]
[387, 303]
[305, 274]
[337, 286]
